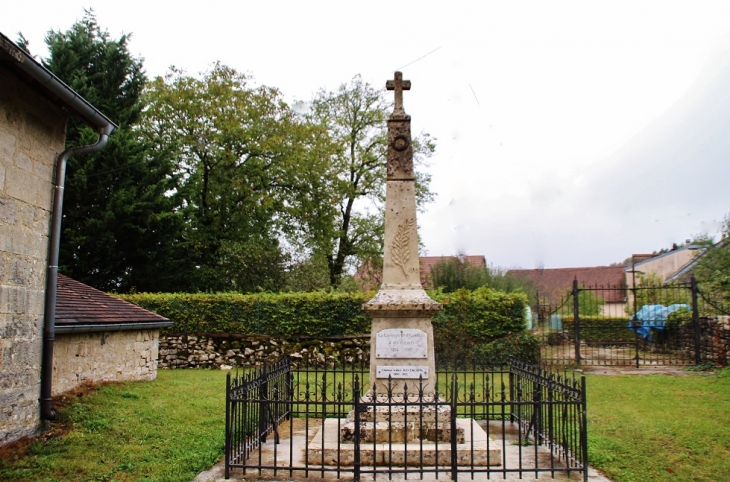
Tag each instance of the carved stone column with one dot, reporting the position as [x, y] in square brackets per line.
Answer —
[401, 334]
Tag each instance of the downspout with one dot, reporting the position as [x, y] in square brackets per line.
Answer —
[49, 318]
[50, 84]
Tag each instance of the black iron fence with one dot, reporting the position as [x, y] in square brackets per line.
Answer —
[645, 325]
[319, 416]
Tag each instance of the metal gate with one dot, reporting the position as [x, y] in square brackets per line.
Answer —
[632, 326]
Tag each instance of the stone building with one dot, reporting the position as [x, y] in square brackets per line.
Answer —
[100, 338]
[34, 107]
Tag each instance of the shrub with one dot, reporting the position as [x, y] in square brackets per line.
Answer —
[470, 320]
[523, 346]
[473, 319]
[285, 314]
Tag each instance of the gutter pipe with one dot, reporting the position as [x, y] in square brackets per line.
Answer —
[49, 318]
[50, 84]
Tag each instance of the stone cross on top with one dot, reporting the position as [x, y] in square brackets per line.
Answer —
[398, 85]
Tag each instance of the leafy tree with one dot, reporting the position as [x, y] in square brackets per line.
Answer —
[355, 118]
[452, 274]
[309, 274]
[119, 224]
[251, 175]
[23, 42]
[651, 290]
[713, 266]
[589, 304]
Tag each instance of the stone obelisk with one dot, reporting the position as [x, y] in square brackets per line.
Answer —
[401, 340]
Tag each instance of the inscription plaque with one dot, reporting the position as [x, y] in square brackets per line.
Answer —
[403, 371]
[401, 343]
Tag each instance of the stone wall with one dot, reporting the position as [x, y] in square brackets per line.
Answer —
[212, 351]
[32, 133]
[80, 358]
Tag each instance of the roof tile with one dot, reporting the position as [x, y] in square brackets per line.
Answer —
[80, 304]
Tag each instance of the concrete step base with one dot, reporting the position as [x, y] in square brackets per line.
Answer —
[400, 432]
[476, 449]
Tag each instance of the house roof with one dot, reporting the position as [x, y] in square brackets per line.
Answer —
[685, 272]
[553, 284]
[654, 257]
[80, 307]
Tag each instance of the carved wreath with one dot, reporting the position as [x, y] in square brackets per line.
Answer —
[400, 254]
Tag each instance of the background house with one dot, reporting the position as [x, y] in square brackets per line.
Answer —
[553, 285]
[100, 338]
[665, 266]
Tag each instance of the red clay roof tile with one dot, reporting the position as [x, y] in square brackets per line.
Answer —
[80, 304]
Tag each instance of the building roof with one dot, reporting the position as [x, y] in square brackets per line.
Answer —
[80, 307]
[553, 284]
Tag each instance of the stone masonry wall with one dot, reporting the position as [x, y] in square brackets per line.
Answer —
[213, 351]
[80, 358]
[32, 133]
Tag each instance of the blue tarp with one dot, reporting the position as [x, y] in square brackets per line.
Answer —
[653, 316]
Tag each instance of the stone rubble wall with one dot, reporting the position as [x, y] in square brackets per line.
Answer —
[80, 358]
[714, 340]
[32, 135]
[213, 351]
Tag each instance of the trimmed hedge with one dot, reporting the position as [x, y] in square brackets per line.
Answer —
[601, 329]
[469, 321]
[483, 313]
[482, 326]
[285, 314]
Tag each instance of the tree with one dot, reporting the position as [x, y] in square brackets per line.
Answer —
[119, 223]
[251, 172]
[713, 266]
[589, 303]
[355, 117]
[652, 290]
[452, 274]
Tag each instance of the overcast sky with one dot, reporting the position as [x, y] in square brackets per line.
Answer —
[568, 133]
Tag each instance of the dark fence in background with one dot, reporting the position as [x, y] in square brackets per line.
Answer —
[303, 416]
[662, 325]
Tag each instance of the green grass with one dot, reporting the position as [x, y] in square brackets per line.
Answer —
[658, 427]
[641, 428]
[166, 430]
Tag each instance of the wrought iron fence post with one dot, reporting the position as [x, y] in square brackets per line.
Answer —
[511, 380]
[356, 462]
[454, 459]
[696, 321]
[584, 428]
[576, 320]
[228, 425]
[263, 404]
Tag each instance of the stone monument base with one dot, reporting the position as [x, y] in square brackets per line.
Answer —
[474, 448]
[399, 419]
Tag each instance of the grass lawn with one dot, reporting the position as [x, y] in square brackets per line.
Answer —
[641, 428]
[166, 430]
[658, 427]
